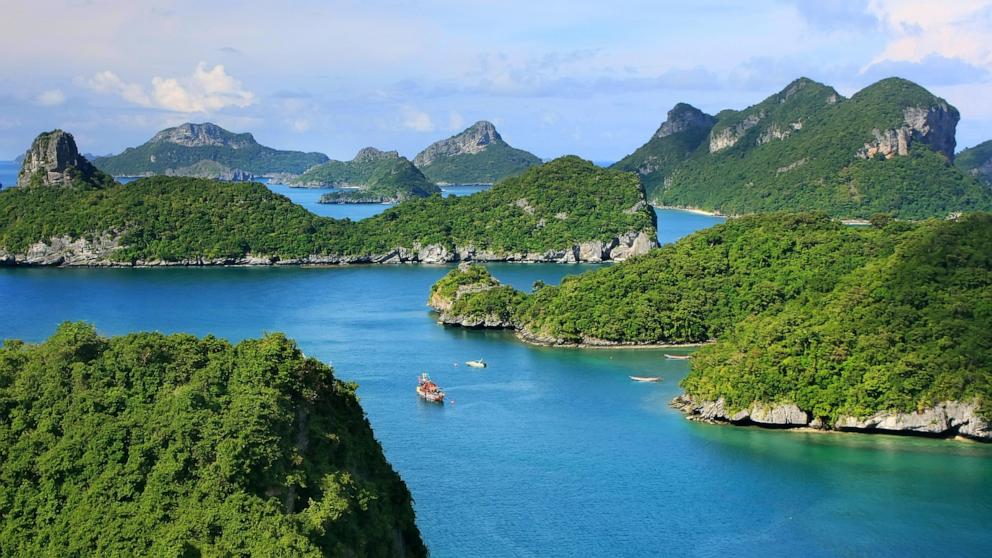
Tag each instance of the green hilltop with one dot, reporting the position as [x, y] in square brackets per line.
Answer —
[477, 155]
[977, 161]
[887, 149]
[172, 445]
[205, 151]
[373, 176]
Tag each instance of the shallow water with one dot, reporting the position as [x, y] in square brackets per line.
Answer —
[548, 452]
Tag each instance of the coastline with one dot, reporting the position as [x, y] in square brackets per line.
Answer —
[695, 210]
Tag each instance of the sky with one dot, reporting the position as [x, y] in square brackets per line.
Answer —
[556, 77]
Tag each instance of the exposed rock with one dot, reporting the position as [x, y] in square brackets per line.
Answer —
[933, 126]
[791, 166]
[473, 140]
[944, 419]
[729, 136]
[53, 160]
[525, 206]
[684, 117]
[373, 154]
[629, 245]
[200, 135]
[776, 132]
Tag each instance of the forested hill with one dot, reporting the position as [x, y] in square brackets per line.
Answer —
[372, 176]
[887, 149]
[839, 321]
[565, 211]
[205, 151]
[477, 155]
[171, 445]
[977, 161]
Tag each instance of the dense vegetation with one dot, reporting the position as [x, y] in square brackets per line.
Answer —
[377, 179]
[904, 332]
[159, 157]
[496, 162]
[977, 161]
[798, 150]
[840, 320]
[550, 207]
[156, 445]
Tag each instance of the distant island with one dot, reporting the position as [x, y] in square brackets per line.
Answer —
[173, 445]
[977, 161]
[373, 176]
[477, 155]
[206, 151]
[66, 212]
[815, 323]
[888, 149]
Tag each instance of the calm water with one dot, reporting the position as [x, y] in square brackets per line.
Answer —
[8, 173]
[549, 452]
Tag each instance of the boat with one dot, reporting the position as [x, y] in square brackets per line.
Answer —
[646, 378]
[678, 357]
[428, 390]
[476, 363]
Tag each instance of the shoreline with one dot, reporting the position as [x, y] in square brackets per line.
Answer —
[538, 342]
[694, 210]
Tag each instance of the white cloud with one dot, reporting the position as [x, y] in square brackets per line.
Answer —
[417, 120]
[922, 28]
[50, 98]
[299, 125]
[206, 90]
[455, 121]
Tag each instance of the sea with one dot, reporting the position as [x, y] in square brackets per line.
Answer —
[547, 452]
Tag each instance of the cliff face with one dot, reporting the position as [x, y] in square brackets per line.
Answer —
[684, 117]
[372, 154]
[933, 126]
[54, 160]
[473, 140]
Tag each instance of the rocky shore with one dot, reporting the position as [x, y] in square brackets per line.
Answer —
[946, 419]
[99, 251]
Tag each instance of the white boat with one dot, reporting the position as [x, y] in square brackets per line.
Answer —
[476, 363]
[645, 378]
[678, 357]
[428, 390]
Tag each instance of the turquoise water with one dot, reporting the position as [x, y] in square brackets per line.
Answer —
[546, 452]
[549, 452]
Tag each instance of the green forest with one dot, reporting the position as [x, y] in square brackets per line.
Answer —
[496, 162]
[838, 319]
[172, 445]
[552, 206]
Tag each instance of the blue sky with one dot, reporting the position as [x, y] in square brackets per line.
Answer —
[557, 77]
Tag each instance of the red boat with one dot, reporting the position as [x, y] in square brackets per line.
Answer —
[428, 390]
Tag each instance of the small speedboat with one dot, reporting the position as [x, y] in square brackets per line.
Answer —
[476, 363]
[678, 357]
[646, 378]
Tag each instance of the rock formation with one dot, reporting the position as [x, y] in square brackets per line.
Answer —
[473, 140]
[199, 135]
[684, 117]
[373, 154]
[947, 418]
[54, 160]
[932, 125]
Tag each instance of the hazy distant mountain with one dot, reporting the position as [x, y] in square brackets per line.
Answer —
[206, 151]
[889, 148]
[478, 155]
[977, 161]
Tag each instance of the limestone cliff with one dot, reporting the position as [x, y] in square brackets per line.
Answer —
[473, 140]
[932, 125]
[476, 155]
[54, 160]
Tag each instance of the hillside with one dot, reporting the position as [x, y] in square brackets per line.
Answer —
[977, 161]
[565, 211]
[887, 149]
[205, 151]
[814, 322]
[477, 155]
[373, 176]
[171, 445]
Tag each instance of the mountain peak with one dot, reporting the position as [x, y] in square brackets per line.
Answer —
[684, 116]
[474, 139]
[372, 154]
[54, 160]
[199, 135]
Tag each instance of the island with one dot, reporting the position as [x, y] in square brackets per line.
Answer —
[477, 155]
[977, 161]
[67, 213]
[206, 151]
[888, 149]
[173, 445]
[373, 176]
[802, 321]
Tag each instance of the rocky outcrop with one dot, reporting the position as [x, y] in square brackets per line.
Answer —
[948, 418]
[54, 160]
[684, 117]
[729, 136]
[373, 154]
[473, 140]
[99, 251]
[201, 135]
[933, 125]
